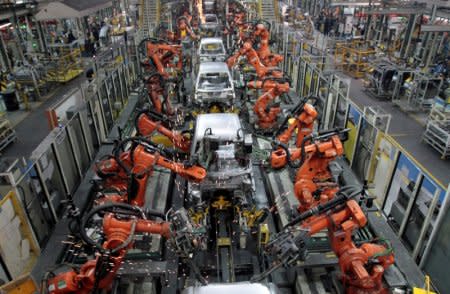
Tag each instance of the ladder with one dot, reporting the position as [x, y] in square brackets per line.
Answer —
[268, 10]
[149, 16]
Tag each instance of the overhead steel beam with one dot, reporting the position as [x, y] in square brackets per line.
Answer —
[355, 4]
[403, 11]
[435, 28]
[443, 14]
[6, 13]
[438, 3]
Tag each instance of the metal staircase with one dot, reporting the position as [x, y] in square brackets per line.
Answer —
[149, 16]
[268, 10]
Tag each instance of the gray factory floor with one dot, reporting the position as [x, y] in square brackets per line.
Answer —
[407, 130]
[33, 128]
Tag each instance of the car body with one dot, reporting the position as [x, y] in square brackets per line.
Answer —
[209, 6]
[221, 146]
[243, 287]
[214, 86]
[209, 25]
[211, 49]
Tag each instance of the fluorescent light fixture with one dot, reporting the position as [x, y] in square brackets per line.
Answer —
[5, 25]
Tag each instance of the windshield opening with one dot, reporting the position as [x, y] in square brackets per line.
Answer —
[214, 81]
[213, 48]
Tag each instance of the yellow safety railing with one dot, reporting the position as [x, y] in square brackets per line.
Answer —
[260, 8]
[158, 11]
[426, 290]
[276, 10]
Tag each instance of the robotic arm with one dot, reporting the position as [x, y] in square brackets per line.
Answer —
[144, 160]
[324, 148]
[157, 92]
[135, 166]
[362, 267]
[313, 170]
[303, 116]
[145, 126]
[184, 29]
[264, 52]
[265, 110]
[253, 58]
[163, 56]
[99, 273]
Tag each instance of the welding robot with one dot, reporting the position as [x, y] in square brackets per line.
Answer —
[149, 122]
[158, 89]
[300, 121]
[161, 56]
[127, 172]
[120, 223]
[270, 80]
[317, 179]
[258, 33]
[361, 266]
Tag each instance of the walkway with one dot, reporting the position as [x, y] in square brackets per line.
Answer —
[407, 130]
[32, 129]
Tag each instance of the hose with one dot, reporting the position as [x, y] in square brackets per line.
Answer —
[277, 80]
[126, 209]
[389, 250]
[334, 204]
[152, 147]
[297, 109]
[153, 40]
[99, 171]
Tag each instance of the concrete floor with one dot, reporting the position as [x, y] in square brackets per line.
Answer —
[407, 130]
[31, 126]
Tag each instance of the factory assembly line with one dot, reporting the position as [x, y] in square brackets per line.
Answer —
[222, 122]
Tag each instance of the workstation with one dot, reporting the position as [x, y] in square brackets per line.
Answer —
[218, 146]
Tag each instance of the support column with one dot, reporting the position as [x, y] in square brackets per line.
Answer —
[408, 35]
[42, 41]
[368, 23]
[4, 59]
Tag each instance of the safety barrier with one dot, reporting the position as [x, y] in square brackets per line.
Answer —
[43, 183]
[412, 200]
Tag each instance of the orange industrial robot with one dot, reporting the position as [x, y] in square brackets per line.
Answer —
[361, 267]
[270, 79]
[128, 171]
[313, 169]
[261, 38]
[265, 109]
[303, 116]
[183, 29]
[162, 56]
[157, 91]
[148, 122]
[262, 71]
[99, 273]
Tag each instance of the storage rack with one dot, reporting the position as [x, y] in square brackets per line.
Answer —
[437, 132]
[7, 133]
